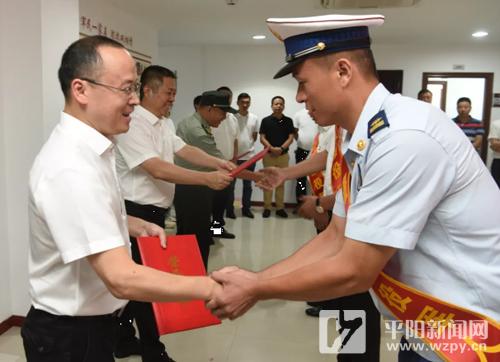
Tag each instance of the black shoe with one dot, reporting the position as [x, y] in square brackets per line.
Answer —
[127, 347]
[281, 213]
[266, 213]
[231, 214]
[247, 213]
[313, 311]
[158, 357]
[222, 233]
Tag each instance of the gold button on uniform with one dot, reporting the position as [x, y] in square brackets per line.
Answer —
[361, 145]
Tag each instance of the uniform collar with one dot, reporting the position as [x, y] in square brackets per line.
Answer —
[148, 115]
[359, 139]
[86, 134]
[204, 124]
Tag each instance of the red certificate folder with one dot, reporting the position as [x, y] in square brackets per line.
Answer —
[183, 257]
[249, 162]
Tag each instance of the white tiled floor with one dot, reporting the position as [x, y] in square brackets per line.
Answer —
[272, 331]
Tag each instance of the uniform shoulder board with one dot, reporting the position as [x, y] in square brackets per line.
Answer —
[378, 122]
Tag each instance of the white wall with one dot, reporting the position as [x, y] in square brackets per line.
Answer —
[21, 112]
[251, 68]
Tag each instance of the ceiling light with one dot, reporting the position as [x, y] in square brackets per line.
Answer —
[258, 37]
[480, 34]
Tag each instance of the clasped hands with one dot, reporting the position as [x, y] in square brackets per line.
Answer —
[234, 294]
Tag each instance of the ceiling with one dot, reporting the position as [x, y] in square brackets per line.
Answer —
[190, 22]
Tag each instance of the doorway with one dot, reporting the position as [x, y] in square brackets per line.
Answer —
[448, 87]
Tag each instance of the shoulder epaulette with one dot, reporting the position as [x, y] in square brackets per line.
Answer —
[378, 122]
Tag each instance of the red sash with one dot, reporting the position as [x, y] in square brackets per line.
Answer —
[317, 179]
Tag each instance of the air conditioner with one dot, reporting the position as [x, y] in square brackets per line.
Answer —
[366, 4]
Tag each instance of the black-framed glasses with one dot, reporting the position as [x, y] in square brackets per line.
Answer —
[133, 88]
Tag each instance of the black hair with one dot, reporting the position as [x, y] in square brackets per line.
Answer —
[153, 76]
[243, 95]
[225, 89]
[82, 60]
[422, 92]
[277, 97]
[464, 99]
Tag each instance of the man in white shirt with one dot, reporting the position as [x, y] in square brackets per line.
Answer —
[148, 176]
[80, 270]
[305, 130]
[226, 139]
[248, 124]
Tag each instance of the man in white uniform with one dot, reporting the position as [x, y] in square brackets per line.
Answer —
[148, 176]
[80, 270]
[422, 206]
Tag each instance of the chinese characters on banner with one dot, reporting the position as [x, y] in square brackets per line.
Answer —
[89, 25]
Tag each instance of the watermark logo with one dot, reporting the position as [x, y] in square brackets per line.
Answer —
[351, 329]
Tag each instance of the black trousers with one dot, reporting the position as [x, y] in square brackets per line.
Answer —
[193, 211]
[301, 186]
[142, 312]
[221, 199]
[362, 301]
[49, 338]
[495, 170]
[246, 199]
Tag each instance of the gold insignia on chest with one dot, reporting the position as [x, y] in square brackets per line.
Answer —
[361, 145]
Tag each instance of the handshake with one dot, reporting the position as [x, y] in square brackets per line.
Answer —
[234, 291]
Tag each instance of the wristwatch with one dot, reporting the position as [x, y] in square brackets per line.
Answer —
[319, 208]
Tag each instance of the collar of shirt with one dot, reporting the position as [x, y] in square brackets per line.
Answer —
[360, 135]
[203, 123]
[149, 116]
[86, 134]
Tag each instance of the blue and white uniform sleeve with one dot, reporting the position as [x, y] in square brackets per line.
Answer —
[406, 176]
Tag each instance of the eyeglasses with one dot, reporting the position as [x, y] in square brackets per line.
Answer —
[134, 88]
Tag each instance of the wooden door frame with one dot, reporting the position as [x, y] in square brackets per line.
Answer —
[488, 97]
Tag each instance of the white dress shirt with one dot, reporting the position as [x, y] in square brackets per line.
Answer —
[148, 137]
[225, 135]
[248, 125]
[494, 133]
[307, 129]
[75, 210]
[420, 187]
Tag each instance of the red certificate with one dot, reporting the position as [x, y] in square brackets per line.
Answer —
[182, 256]
[249, 162]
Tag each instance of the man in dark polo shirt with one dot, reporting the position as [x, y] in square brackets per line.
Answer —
[276, 132]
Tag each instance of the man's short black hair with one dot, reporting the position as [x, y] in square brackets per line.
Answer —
[421, 93]
[277, 97]
[225, 89]
[153, 76]
[464, 99]
[243, 95]
[82, 60]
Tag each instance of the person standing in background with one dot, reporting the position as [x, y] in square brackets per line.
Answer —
[248, 124]
[473, 128]
[276, 133]
[425, 95]
[226, 140]
[494, 141]
[305, 131]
